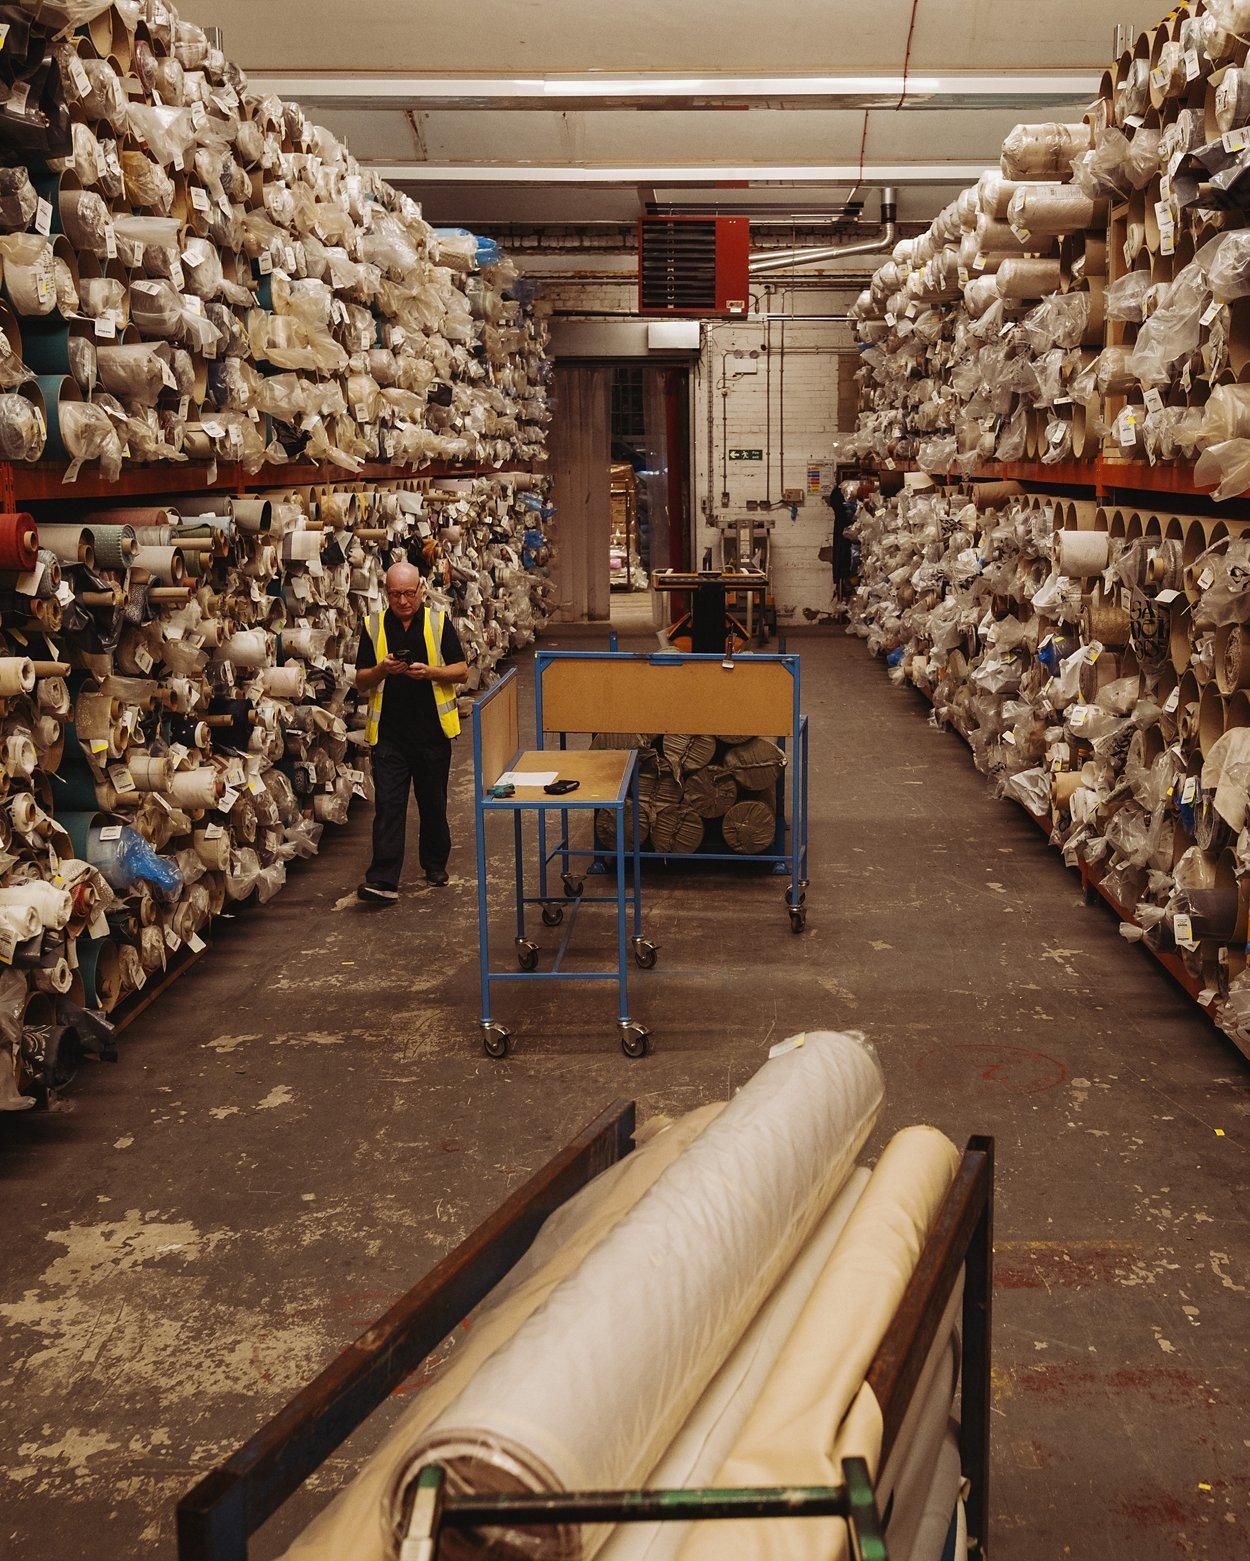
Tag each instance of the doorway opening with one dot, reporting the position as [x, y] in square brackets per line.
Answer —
[621, 458]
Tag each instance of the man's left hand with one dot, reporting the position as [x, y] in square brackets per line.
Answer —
[419, 671]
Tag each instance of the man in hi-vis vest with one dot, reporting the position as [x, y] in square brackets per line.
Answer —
[409, 661]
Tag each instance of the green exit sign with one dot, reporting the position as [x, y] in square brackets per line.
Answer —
[746, 455]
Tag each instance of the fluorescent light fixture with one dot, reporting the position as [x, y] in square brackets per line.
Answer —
[971, 89]
[707, 174]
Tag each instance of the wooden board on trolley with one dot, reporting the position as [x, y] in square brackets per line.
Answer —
[743, 699]
[599, 772]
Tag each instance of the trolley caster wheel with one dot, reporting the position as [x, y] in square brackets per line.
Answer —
[635, 1039]
[526, 954]
[798, 918]
[645, 953]
[553, 914]
[802, 899]
[495, 1040]
[572, 887]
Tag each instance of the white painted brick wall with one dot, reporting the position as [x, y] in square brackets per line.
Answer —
[802, 581]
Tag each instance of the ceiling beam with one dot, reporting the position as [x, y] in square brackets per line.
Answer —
[709, 175]
[567, 94]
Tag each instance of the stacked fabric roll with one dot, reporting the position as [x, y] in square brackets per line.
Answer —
[980, 337]
[1091, 295]
[1098, 663]
[192, 271]
[697, 791]
[180, 720]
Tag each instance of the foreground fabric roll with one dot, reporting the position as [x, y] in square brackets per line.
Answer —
[795, 1434]
[593, 1388]
[703, 1443]
[356, 1525]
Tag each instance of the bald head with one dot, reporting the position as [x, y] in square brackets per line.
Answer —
[404, 590]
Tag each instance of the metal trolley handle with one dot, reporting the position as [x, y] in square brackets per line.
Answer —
[433, 1514]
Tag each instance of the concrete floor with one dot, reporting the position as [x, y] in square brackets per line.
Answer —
[306, 1122]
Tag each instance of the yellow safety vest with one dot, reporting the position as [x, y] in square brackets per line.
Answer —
[444, 693]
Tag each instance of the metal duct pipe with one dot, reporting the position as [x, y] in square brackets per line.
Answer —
[767, 264]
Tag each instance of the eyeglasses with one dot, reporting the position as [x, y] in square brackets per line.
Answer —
[417, 592]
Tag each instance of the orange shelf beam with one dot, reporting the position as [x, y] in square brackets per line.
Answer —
[44, 482]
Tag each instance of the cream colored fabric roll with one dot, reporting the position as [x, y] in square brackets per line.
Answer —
[51, 904]
[1082, 553]
[702, 1444]
[21, 920]
[795, 1433]
[594, 1387]
[354, 1525]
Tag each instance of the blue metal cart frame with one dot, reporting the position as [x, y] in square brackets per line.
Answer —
[791, 862]
[627, 898]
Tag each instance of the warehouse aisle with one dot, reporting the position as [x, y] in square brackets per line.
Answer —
[306, 1122]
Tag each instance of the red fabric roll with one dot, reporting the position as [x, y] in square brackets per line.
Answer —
[19, 542]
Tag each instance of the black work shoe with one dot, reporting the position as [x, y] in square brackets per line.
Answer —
[437, 879]
[377, 894]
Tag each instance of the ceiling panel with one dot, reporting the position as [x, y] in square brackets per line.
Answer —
[732, 35]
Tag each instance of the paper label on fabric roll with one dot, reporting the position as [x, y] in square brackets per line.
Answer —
[178, 162]
[1126, 428]
[4, 33]
[228, 799]
[184, 406]
[1010, 737]
[199, 198]
[18, 97]
[1183, 931]
[1078, 717]
[110, 831]
[1190, 789]
[1234, 141]
[141, 978]
[143, 658]
[1206, 578]
[782, 1047]
[99, 745]
[1164, 597]
[98, 927]
[1209, 313]
[198, 115]
[8, 945]
[178, 752]
[27, 584]
[106, 328]
[172, 941]
[121, 777]
[1154, 401]
[43, 216]
[1191, 64]
[1167, 237]
[1171, 702]
[213, 831]
[110, 241]
[196, 943]
[1165, 186]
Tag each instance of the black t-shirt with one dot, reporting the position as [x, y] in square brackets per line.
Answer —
[409, 713]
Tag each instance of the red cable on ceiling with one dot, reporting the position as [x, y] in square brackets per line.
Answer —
[911, 27]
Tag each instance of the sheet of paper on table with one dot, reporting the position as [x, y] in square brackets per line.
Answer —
[528, 778]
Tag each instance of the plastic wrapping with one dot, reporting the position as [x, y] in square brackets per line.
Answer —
[17, 200]
[22, 430]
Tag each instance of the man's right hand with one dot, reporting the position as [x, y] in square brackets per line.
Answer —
[392, 666]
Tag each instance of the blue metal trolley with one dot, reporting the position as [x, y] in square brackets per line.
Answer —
[607, 780]
[665, 691]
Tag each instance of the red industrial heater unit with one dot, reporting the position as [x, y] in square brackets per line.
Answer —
[693, 265]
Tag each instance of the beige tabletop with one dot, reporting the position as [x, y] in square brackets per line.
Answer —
[601, 772]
